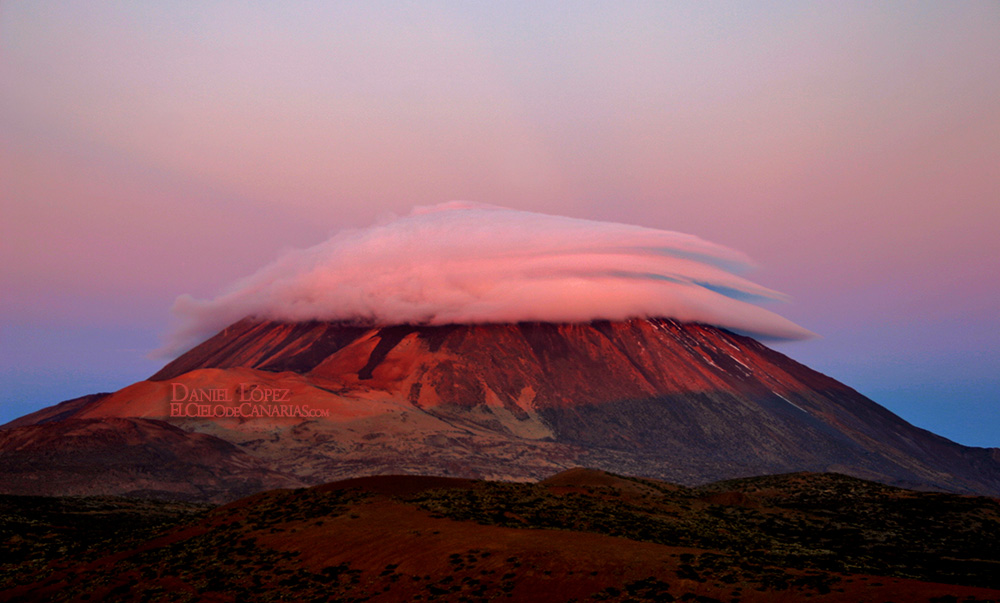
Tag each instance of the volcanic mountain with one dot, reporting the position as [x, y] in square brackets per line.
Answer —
[687, 403]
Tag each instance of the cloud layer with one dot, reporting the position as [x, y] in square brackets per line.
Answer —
[468, 263]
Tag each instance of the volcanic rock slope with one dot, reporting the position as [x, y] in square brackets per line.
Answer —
[687, 403]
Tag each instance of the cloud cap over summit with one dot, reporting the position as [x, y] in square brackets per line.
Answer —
[469, 263]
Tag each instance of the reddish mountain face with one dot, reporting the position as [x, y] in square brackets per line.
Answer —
[656, 398]
[536, 365]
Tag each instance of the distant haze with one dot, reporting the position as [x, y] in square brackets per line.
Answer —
[472, 263]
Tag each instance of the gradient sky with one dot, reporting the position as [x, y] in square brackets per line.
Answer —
[149, 150]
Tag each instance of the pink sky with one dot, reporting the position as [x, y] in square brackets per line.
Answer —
[851, 149]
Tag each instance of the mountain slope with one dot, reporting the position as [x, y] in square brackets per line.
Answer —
[135, 457]
[689, 403]
[631, 394]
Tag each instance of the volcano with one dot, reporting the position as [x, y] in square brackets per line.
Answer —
[689, 403]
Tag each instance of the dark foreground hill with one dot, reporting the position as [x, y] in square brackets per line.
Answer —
[581, 535]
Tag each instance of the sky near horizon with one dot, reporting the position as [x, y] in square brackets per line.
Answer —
[151, 150]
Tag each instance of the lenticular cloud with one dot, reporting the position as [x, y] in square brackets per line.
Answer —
[465, 263]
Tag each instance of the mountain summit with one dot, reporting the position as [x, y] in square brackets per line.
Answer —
[684, 402]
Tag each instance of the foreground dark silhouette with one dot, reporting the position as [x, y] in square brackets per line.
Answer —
[581, 535]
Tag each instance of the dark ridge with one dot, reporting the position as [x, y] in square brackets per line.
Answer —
[211, 353]
[700, 430]
[227, 348]
[389, 337]
[414, 396]
[436, 336]
[333, 339]
[702, 427]
[73, 406]
[60, 411]
[398, 485]
[544, 340]
[274, 351]
[779, 483]
[604, 327]
[117, 455]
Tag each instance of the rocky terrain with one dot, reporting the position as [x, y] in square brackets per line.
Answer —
[268, 404]
[581, 535]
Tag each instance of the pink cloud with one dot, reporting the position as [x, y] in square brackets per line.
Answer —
[469, 263]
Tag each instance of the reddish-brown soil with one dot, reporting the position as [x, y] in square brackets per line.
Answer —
[400, 539]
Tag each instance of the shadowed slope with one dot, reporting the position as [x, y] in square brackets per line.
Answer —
[137, 457]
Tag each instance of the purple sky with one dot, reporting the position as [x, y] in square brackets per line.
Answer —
[149, 150]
